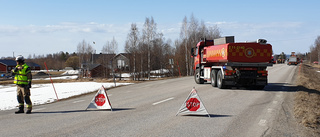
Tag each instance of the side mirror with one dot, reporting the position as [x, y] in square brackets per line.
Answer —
[192, 52]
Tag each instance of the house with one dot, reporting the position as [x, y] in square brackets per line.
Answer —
[122, 62]
[7, 65]
[33, 66]
[101, 65]
[94, 70]
[103, 59]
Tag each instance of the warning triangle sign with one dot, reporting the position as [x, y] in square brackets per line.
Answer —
[100, 100]
[193, 105]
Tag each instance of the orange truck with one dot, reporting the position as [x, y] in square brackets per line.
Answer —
[225, 63]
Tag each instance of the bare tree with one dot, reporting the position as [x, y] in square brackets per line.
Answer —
[317, 48]
[313, 53]
[213, 32]
[184, 35]
[110, 47]
[132, 45]
[149, 32]
[84, 50]
[194, 37]
[190, 34]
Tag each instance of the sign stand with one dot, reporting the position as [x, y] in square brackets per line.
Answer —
[100, 100]
[193, 105]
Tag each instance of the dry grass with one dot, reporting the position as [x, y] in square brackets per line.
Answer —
[307, 99]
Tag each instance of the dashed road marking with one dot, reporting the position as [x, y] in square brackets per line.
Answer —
[38, 109]
[156, 103]
[77, 101]
[262, 122]
[270, 110]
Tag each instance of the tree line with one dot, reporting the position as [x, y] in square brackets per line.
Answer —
[314, 54]
[148, 49]
[151, 51]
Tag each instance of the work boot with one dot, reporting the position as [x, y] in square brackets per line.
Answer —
[28, 111]
[29, 108]
[20, 110]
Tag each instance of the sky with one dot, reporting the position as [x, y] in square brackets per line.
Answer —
[41, 27]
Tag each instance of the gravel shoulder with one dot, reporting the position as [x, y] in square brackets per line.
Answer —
[300, 112]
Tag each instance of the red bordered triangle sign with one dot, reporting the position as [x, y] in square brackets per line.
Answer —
[193, 105]
[100, 100]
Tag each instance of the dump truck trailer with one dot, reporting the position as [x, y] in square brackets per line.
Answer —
[225, 63]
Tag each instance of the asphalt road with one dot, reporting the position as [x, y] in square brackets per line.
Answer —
[150, 108]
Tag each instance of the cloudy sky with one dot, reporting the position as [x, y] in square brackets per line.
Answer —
[43, 27]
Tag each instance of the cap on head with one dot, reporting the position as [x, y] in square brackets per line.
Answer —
[20, 58]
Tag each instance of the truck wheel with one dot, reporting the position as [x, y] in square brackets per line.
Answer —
[197, 77]
[220, 81]
[214, 78]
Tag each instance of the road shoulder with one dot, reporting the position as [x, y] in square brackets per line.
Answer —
[286, 123]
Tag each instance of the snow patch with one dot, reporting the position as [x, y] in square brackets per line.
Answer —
[70, 72]
[44, 93]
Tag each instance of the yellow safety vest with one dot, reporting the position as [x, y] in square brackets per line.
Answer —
[20, 77]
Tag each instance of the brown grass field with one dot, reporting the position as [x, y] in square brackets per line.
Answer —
[307, 99]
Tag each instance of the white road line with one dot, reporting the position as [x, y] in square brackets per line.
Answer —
[78, 101]
[262, 122]
[156, 103]
[38, 109]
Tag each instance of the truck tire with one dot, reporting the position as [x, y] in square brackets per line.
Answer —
[220, 81]
[197, 77]
[214, 78]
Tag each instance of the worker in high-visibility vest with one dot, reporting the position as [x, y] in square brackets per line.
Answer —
[23, 80]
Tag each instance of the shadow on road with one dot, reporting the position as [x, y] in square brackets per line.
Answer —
[74, 111]
[211, 115]
[302, 88]
[289, 88]
[281, 87]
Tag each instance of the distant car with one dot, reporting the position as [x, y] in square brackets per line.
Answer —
[315, 62]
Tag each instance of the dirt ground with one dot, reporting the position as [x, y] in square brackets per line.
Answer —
[307, 99]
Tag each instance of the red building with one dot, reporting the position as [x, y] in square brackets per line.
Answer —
[7, 65]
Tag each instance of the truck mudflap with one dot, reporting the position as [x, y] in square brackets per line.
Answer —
[245, 82]
[246, 78]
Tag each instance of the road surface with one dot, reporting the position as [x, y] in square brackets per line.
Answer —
[150, 108]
